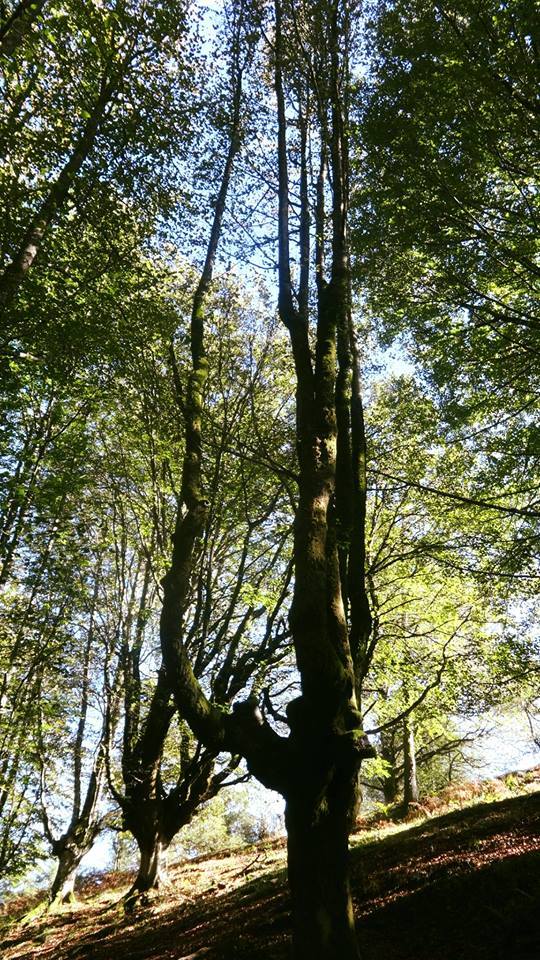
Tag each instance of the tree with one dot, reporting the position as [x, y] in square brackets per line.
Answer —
[233, 632]
[18, 23]
[446, 244]
[472, 251]
[438, 633]
[134, 381]
[120, 473]
[86, 818]
[316, 766]
[43, 436]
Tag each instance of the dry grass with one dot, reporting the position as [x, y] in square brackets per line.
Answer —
[456, 796]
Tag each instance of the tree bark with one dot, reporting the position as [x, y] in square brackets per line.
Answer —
[318, 826]
[410, 783]
[151, 872]
[69, 857]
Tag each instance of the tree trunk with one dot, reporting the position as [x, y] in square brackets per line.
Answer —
[410, 783]
[79, 837]
[390, 788]
[16, 271]
[388, 753]
[152, 870]
[62, 890]
[318, 827]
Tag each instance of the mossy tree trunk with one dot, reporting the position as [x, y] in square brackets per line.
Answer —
[143, 798]
[151, 873]
[318, 818]
[330, 616]
[152, 813]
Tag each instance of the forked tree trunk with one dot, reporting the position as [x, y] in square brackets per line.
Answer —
[79, 837]
[316, 769]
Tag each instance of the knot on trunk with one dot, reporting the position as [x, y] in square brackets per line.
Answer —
[248, 712]
[194, 521]
[352, 739]
[355, 743]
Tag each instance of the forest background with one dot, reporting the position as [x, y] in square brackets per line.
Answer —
[163, 166]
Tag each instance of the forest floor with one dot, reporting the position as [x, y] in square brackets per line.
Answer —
[460, 885]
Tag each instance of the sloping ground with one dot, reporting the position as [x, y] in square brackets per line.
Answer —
[463, 886]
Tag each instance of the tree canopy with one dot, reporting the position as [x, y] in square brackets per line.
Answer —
[269, 416]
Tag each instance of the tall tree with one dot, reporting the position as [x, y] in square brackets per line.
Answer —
[233, 633]
[316, 766]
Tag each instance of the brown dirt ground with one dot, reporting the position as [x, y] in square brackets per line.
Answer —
[463, 886]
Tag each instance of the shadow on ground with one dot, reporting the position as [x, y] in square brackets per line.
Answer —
[465, 886]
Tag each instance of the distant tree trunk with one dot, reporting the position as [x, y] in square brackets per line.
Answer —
[21, 488]
[85, 825]
[74, 844]
[69, 856]
[410, 783]
[390, 782]
[390, 788]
